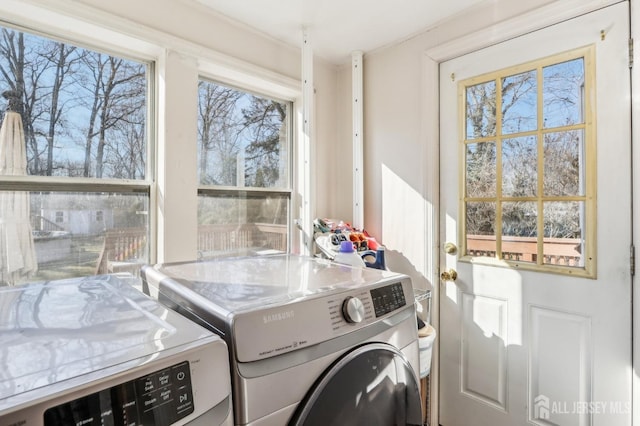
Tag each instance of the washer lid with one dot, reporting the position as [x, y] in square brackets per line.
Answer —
[249, 283]
[58, 330]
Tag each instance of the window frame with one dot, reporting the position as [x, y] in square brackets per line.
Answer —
[257, 192]
[91, 185]
[590, 170]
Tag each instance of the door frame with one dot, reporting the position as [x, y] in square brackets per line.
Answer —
[634, 17]
[534, 20]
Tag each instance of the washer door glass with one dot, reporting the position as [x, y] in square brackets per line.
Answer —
[371, 385]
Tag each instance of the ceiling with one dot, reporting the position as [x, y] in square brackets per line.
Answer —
[338, 27]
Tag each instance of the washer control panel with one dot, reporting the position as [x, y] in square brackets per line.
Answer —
[159, 398]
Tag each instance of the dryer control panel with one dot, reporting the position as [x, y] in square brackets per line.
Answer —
[276, 330]
[159, 398]
[387, 299]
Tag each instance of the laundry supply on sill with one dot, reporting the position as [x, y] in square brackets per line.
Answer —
[348, 256]
[330, 235]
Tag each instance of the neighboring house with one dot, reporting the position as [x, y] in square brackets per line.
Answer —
[80, 222]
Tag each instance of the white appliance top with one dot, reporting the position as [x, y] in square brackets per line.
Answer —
[252, 283]
[58, 330]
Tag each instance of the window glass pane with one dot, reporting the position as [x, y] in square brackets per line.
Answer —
[84, 112]
[519, 231]
[67, 239]
[563, 233]
[564, 166]
[481, 110]
[228, 224]
[243, 139]
[563, 93]
[519, 103]
[481, 169]
[520, 167]
[480, 229]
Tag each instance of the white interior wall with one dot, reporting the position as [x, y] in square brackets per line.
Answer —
[399, 149]
[191, 21]
[333, 198]
[335, 162]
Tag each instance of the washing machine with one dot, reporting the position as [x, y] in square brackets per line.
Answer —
[311, 342]
[98, 351]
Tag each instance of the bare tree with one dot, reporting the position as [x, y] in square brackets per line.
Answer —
[219, 131]
[61, 56]
[126, 154]
[94, 65]
[122, 82]
[265, 120]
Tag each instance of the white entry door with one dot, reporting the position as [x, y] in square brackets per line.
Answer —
[536, 222]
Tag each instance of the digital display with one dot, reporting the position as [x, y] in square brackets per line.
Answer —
[160, 399]
[388, 298]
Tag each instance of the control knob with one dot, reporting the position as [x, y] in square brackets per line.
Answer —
[353, 309]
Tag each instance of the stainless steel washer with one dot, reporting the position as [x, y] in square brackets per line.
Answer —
[97, 351]
[311, 342]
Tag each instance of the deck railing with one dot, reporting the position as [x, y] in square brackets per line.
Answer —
[41, 223]
[221, 238]
[124, 248]
[124, 245]
[557, 251]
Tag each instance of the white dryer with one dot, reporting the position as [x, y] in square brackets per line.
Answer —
[97, 351]
[311, 342]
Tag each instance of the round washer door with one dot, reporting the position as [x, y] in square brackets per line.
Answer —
[372, 385]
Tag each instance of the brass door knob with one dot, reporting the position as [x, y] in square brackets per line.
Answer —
[450, 248]
[449, 275]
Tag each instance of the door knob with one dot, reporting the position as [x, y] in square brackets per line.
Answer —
[449, 275]
[450, 248]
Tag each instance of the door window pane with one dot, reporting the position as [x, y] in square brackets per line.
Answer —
[520, 167]
[519, 231]
[480, 229]
[563, 93]
[481, 169]
[564, 163]
[563, 233]
[520, 103]
[481, 110]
